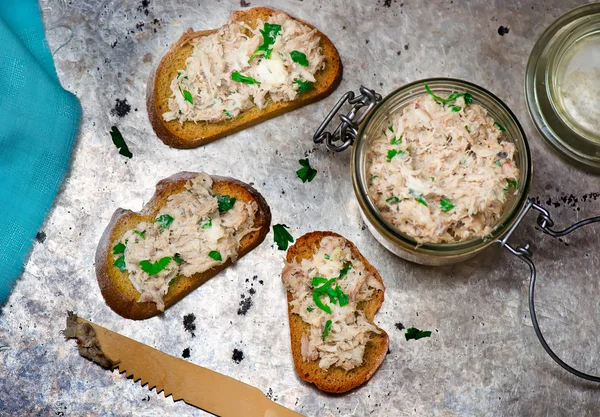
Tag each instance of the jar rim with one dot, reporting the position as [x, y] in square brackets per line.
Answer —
[408, 243]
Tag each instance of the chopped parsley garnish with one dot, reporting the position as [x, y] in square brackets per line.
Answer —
[320, 304]
[392, 199]
[205, 224]
[393, 152]
[416, 334]
[119, 142]
[498, 162]
[467, 129]
[165, 221]
[188, 96]
[390, 128]
[342, 298]
[345, 270]
[178, 74]
[446, 205]
[281, 236]
[303, 85]
[306, 173]
[299, 58]
[227, 113]
[327, 329]
[140, 234]
[326, 256]
[372, 177]
[118, 248]
[309, 309]
[120, 263]
[225, 203]
[236, 76]
[454, 108]
[510, 183]
[500, 127]
[154, 268]
[323, 288]
[269, 33]
[396, 141]
[467, 97]
[316, 281]
[172, 281]
[177, 258]
[216, 255]
[418, 196]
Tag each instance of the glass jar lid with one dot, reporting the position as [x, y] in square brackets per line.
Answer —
[562, 86]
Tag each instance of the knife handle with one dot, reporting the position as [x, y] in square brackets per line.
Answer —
[276, 410]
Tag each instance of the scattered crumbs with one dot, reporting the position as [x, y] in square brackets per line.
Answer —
[147, 398]
[186, 353]
[343, 27]
[270, 395]
[245, 305]
[121, 109]
[255, 277]
[406, 47]
[503, 30]
[189, 323]
[112, 45]
[40, 236]
[399, 326]
[367, 41]
[144, 7]
[244, 3]
[387, 3]
[399, 53]
[252, 291]
[147, 59]
[261, 282]
[237, 356]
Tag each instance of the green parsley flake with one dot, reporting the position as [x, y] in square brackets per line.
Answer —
[512, 183]
[120, 263]
[119, 142]
[467, 129]
[269, 33]
[282, 236]
[306, 173]
[416, 334]
[454, 108]
[303, 85]
[309, 309]
[466, 96]
[316, 281]
[205, 224]
[188, 96]
[320, 304]
[177, 258]
[140, 234]
[342, 298]
[225, 203]
[327, 329]
[500, 127]
[299, 58]
[154, 268]
[118, 249]
[393, 152]
[227, 113]
[446, 205]
[236, 76]
[498, 162]
[396, 141]
[392, 199]
[326, 256]
[216, 255]
[418, 196]
[165, 221]
[345, 270]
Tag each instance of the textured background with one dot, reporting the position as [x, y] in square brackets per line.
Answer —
[483, 357]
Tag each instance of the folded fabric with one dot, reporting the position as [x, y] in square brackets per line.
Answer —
[39, 121]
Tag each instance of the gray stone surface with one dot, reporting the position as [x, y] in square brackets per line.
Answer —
[483, 357]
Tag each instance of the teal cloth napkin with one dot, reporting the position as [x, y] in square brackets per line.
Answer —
[39, 121]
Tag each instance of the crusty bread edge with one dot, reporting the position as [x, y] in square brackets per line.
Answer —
[172, 140]
[359, 375]
[129, 308]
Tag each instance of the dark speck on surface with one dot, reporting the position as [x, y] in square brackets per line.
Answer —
[144, 7]
[186, 353]
[244, 3]
[40, 236]
[503, 30]
[245, 305]
[121, 109]
[387, 3]
[237, 356]
[399, 326]
[406, 47]
[189, 323]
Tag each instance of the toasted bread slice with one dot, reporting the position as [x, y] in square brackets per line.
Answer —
[192, 135]
[336, 379]
[118, 291]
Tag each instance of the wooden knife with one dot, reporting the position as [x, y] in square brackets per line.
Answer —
[209, 390]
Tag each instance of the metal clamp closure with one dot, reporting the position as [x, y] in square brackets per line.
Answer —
[348, 127]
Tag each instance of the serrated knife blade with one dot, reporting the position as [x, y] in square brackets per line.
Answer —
[209, 390]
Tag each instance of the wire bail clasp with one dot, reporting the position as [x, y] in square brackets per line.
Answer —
[348, 127]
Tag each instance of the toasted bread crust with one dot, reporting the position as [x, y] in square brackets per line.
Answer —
[118, 291]
[192, 135]
[335, 380]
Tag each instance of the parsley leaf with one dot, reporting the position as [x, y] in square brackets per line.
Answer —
[299, 58]
[165, 221]
[320, 304]
[119, 142]
[216, 255]
[269, 33]
[236, 76]
[318, 281]
[177, 258]
[446, 205]
[416, 334]
[345, 270]
[120, 263]
[205, 224]
[227, 113]
[326, 256]
[303, 85]
[510, 183]
[225, 203]
[393, 152]
[454, 108]
[342, 298]
[282, 236]
[466, 96]
[187, 96]
[327, 329]
[118, 248]
[396, 141]
[140, 234]
[154, 268]
[392, 199]
[498, 162]
[500, 127]
[418, 196]
[309, 309]
[323, 288]
[306, 173]
[467, 128]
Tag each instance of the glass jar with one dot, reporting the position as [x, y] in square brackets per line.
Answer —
[377, 121]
